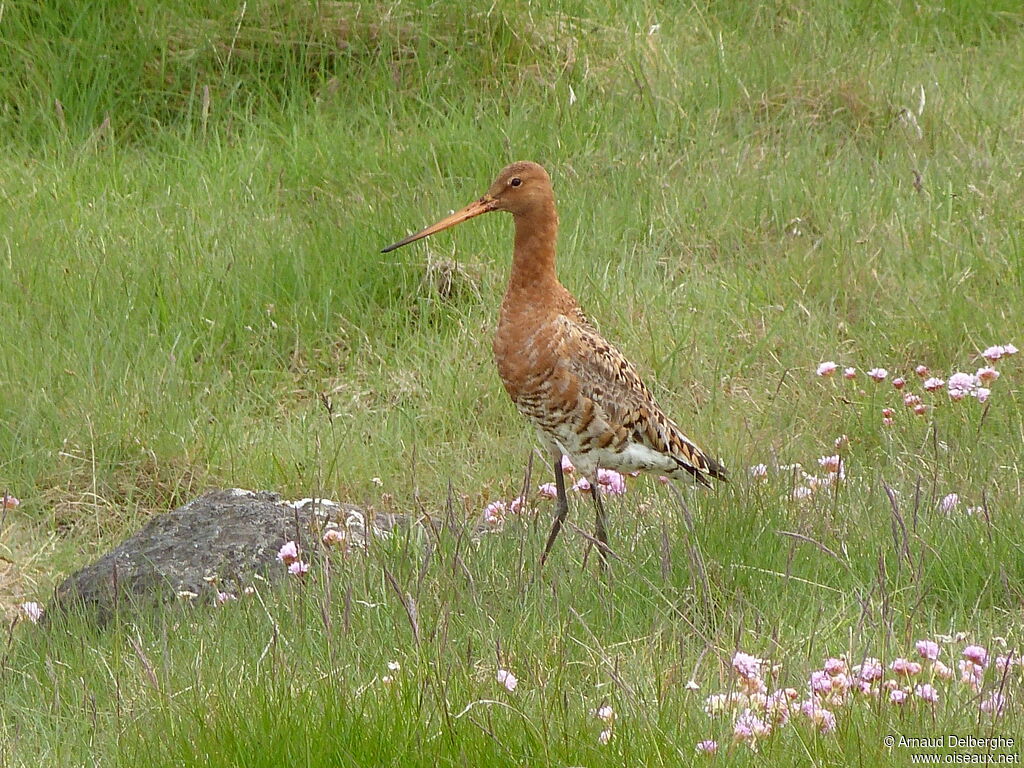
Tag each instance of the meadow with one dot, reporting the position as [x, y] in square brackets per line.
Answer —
[194, 197]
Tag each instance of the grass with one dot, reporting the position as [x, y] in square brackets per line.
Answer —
[194, 199]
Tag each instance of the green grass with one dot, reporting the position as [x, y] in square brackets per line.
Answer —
[191, 270]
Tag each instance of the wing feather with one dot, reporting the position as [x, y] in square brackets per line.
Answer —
[605, 376]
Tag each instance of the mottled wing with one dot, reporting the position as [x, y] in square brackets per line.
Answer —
[610, 381]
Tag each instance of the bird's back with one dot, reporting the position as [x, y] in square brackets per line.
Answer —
[585, 398]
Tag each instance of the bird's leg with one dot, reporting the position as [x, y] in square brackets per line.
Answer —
[599, 524]
[562, 509]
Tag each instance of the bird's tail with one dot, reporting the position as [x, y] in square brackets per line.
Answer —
[691, 458]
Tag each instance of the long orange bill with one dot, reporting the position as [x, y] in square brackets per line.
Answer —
[483, 205]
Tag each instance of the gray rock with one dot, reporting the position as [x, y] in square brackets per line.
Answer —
[220, 541]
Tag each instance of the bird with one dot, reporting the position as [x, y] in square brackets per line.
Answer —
[584, 397]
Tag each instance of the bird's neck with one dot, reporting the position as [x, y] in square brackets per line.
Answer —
[533, 263]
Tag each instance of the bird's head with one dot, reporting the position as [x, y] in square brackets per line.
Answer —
[520, 189]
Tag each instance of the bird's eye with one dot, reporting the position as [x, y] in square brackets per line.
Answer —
[515, 182]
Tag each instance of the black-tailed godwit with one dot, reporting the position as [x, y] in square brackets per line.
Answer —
[583, 396]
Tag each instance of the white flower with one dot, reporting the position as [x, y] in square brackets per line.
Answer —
[33, 611]
[507, 679]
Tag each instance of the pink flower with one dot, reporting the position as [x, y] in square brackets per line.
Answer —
[9, 502]
[516, 505]
[887, 421]
[298, 568]
[949, 502]
[840, 684]
[548, 491]
[962, 381]
[830, 463]
[971, 674]
[982, 393]
[994, 704]
[927, 692]
[899, 382]
[749, 727]
[604, 737]
[849, 373]
[581, 485]
[288, 553]
[821, 717]
[759, 471]
[942, 671]
[888, 413]
[986, 374]
[707, 747]
[821, 681]
[1009, 349]
[956, 395]
[835, 666]
[870, 670]
[33, 611]
[920, 409]
[897, 696]
[877, 374]
[905, 667]
[827, 368]
[507, 679]
[928, 649]
[567, 465]
[494, 513]
[336, 536]
[746, 666]
[1003, 663]
[225, 597]
[994, 353]
[663, 480]
[976, 654]
[911, 400]
[934, 384]
[611, 482]
[605, 713]
[922, 371]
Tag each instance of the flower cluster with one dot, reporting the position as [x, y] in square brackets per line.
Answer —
[289, 555]
[610, 483]
[833, 470]
[494, 514]
[959, 386]
[606, 715]
[756, 707]
[608, 480]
